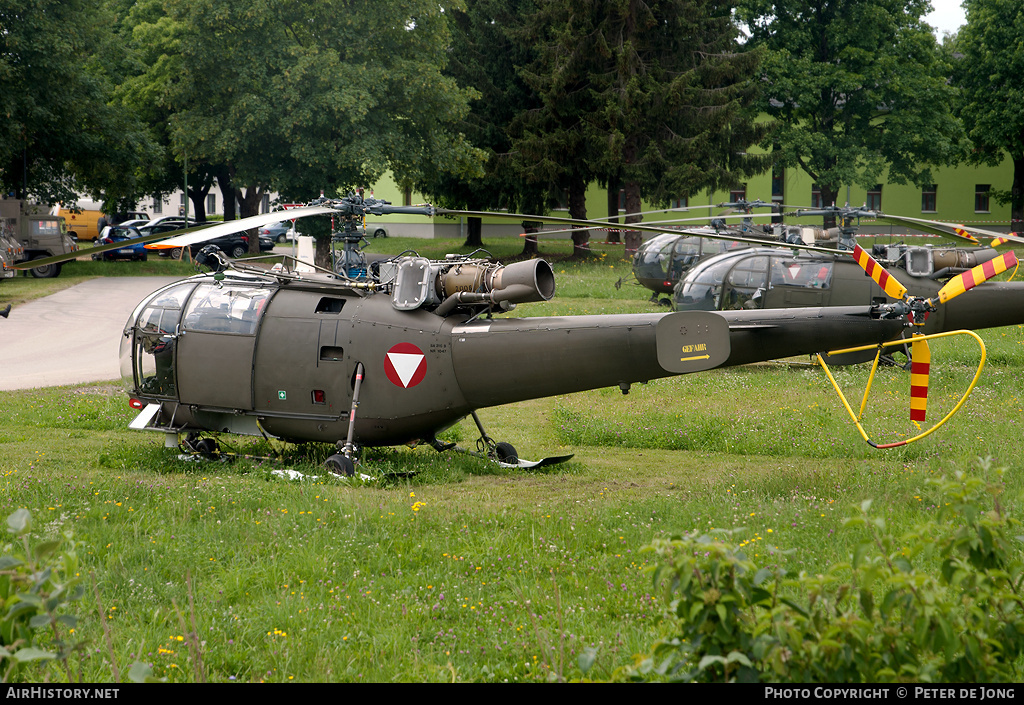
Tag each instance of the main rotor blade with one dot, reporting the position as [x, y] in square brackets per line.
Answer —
[920, 365]
[592, 224]
[620, 227]
[192, 236]
[890, 285]
[935, 227]
[970, 279]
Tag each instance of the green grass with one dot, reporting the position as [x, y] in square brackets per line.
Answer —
[450, 568]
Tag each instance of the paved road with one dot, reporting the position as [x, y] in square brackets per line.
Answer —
[70, 337]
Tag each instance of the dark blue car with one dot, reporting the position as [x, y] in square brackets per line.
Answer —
[129, 250]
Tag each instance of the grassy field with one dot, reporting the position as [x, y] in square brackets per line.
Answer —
[447, 568]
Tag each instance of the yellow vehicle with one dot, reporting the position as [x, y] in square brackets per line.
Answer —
[85, 223]
[81, 223]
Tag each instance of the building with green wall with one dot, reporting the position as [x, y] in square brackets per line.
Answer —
[959, 195]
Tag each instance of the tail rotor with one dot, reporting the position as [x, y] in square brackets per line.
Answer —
[916, 309]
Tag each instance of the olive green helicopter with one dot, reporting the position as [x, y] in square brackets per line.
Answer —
[400, 350]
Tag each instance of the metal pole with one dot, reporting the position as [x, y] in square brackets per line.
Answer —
[186, 187]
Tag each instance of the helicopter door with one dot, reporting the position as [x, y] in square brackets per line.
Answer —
[302, 369]
[217, 343]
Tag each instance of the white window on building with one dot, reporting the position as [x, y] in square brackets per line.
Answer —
[211, 203]
[158, 205]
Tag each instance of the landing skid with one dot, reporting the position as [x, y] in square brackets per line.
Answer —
[504, 454]
[518, 462]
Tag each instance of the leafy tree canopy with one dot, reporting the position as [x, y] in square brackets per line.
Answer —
[656, 95]
[988, 56]
[857, 86]
[304, 97]
[59, 134]
[486, 53]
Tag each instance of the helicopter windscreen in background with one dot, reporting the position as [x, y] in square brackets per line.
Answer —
[652, 259]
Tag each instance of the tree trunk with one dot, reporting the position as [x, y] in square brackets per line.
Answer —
[197, 195]
[322, 255]
[578, 210]
[227, 190]
[828, 199]
[474, 233]
[530, 229]
[248, 206]
[634, 238]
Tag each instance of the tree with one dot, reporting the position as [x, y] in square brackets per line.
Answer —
[675, 96]
[58, 132]
[857, 87]
[485, 55]
[989, 71]
[656, 95]
[553, 145]
[319, 97]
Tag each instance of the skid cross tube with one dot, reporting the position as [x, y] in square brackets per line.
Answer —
[856, 418]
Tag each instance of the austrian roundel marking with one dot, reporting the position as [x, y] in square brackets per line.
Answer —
[405, 365]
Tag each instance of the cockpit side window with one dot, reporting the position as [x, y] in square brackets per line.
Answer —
[816, 274]
[225, 309]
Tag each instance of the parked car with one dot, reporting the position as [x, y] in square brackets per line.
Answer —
[136, 223]
[235, 245]
[125, 234]
[280, 232]
[178, 220]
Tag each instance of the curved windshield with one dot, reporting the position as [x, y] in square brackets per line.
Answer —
[652, 258]
[147, 347]
[738, 275]
[701, 290]
[746, 283]
[225, 309]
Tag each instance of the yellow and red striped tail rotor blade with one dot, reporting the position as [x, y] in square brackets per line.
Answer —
[889, 283]
[996, 242]
[920, 363]
[970, 279]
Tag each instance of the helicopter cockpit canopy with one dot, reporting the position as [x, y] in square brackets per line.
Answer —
[741, 280]
[668, 255]
[148, 359]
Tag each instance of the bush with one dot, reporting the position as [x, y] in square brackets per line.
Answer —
[941, 604]
[35, 583]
